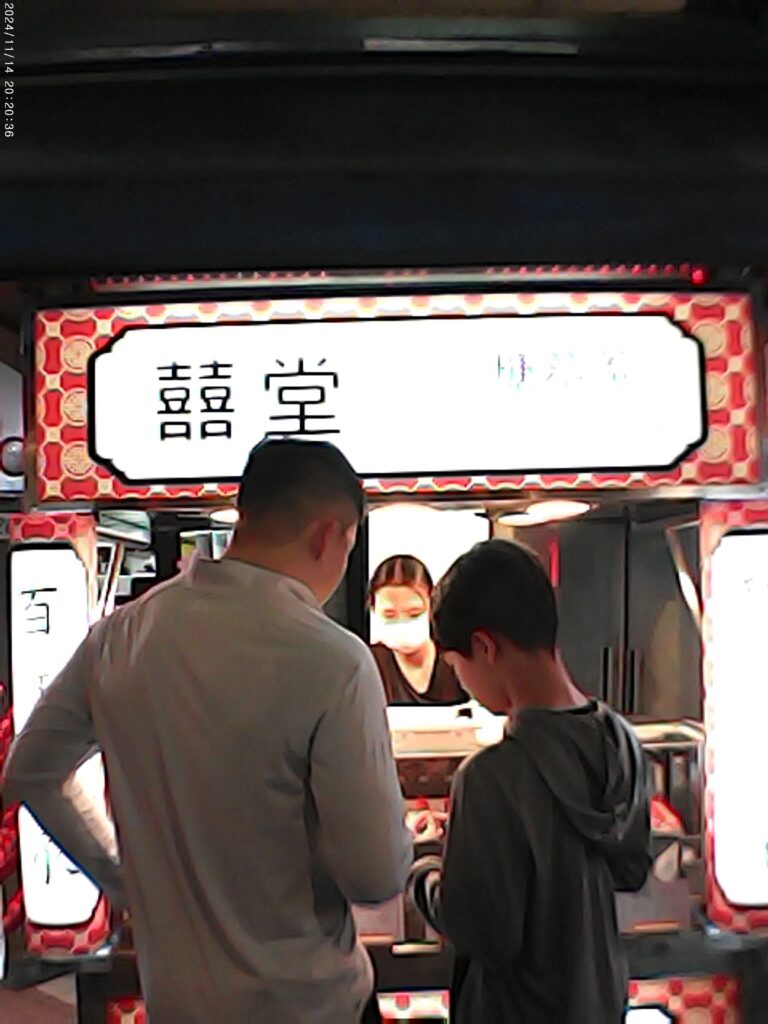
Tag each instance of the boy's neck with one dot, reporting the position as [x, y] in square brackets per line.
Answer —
[547, 684]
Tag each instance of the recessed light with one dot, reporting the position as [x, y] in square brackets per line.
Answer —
[227, 516]
[542, 512]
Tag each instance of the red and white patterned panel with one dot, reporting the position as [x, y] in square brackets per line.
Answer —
[52, 526]
[707, 1000]
[717, 519]
[80, 531]
[713, 1000]
[65, 339]
[9, 835]
[76, 941]
[126, 1011]
[407, 1006]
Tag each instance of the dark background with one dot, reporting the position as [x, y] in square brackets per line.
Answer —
[164, 136]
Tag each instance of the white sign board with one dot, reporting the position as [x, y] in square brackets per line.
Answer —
[408, 397]
[49, 620]
[738, 613]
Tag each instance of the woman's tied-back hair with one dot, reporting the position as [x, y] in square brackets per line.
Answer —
[400, 571]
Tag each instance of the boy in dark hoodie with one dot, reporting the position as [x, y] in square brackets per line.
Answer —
[545, 826]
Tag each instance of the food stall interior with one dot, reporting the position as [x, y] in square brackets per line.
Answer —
[626, 574]
[627, 578]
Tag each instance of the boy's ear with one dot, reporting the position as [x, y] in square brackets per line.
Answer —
[484, 647]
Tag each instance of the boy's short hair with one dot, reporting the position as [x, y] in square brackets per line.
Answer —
[501, 587]
[287, 483]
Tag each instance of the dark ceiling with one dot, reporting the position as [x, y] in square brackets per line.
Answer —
[174, 135]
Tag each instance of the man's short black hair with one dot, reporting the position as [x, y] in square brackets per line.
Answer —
[286, 483]
[500, 587]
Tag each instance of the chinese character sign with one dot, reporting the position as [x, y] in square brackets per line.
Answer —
[188, 395]
[303, 392]
[401, 397]
[548, 370]
[49, 619]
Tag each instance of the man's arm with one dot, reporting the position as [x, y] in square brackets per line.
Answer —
[56, 740]
[478, 901]
[357, 794]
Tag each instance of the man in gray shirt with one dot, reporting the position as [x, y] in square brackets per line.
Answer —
[249, 763]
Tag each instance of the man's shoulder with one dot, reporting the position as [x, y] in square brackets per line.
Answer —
[138, 607]
[336, 647]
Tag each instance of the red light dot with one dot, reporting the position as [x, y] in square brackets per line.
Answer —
[698, 275]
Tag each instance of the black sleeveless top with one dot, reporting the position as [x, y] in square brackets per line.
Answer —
[444, 687]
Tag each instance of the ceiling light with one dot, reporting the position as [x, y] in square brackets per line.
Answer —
[228, 516]
[542, 512]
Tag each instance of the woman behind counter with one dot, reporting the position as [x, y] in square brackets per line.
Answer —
[411, 670]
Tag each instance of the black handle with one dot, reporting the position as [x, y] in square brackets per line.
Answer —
[607, 675]
[631, 667]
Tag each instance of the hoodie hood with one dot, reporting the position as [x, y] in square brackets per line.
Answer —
[592, 763]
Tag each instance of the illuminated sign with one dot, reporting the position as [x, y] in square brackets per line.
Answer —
[413, 397]
[648, 1015]
[738, 613]
[49, 620]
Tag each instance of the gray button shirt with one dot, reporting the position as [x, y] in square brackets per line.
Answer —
[251, 775]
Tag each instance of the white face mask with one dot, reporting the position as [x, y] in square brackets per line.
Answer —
[405, 636]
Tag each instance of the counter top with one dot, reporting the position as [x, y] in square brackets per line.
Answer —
[692, 954]
[650, 956]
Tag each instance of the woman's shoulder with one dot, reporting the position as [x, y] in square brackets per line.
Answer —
[447, 682]
[382, 654]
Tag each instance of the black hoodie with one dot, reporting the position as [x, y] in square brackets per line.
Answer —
[544, 828]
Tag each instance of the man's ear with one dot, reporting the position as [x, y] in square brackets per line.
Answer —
[484, 647]
[318, 536]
